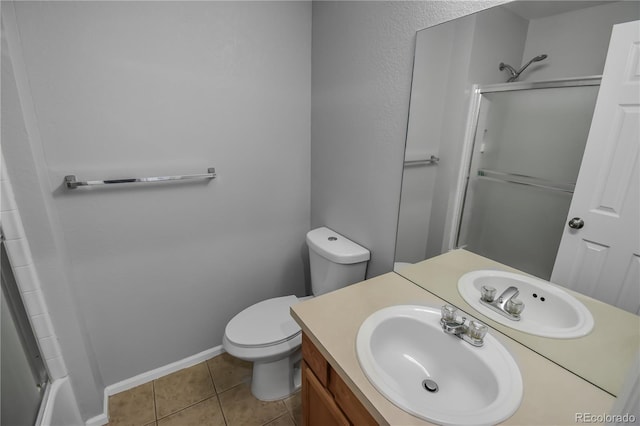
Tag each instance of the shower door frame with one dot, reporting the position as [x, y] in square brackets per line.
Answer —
[473, 118]
[24, 328]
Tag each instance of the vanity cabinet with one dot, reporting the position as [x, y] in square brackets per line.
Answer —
[326, 399]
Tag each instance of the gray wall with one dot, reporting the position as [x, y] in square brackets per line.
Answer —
[576, 41]
[152, 88]
[23, 153]
[362, 60]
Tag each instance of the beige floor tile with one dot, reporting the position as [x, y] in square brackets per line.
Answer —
[242, 409]
[228, 371]
[284, 420]
[182, 389]
[205, 413]
[294, 406]
[132, 407]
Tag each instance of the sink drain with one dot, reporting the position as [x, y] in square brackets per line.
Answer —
[430, 385]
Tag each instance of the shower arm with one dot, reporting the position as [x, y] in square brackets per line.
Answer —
[515, 74]
[524, 67]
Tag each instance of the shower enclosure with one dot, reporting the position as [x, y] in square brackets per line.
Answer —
[524, 162]
[22, 372]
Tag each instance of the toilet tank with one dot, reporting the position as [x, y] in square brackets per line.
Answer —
[335, 261]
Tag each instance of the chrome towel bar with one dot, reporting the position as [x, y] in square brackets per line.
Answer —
[72, 183]
[431, 160]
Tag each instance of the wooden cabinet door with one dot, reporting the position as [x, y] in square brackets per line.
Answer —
[320, 408]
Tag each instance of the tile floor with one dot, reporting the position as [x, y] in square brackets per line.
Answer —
[214, 392]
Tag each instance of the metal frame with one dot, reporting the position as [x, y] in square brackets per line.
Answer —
[525, 180]
[593, 80]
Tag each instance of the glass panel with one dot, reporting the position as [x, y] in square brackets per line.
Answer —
[527, 154]
[518, 225]
[22, 373]
[539, 133]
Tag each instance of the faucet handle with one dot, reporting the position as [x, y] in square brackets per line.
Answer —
[449, 313]
[487, 293]
[477, 330]
[514, 306]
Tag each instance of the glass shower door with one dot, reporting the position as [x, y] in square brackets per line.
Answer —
[526, 155]
[22, 373]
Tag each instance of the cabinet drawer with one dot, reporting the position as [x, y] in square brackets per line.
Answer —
[315, 360]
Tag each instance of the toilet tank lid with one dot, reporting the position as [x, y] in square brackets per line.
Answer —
[335, 247]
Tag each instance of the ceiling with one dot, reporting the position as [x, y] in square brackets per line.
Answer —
[541, 9]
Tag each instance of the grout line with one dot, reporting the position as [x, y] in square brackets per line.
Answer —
[286, 412]
[224, 417]
[235, 386]
[215, 388]
[155, 405]
[193, 403]
[184, 408]
[189, 406]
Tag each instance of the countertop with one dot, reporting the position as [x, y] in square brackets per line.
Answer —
[552, 395]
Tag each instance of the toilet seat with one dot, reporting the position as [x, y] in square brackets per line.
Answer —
[264, 324]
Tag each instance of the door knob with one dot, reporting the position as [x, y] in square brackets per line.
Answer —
[576, 223]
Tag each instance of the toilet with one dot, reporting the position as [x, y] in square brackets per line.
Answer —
[265, 333]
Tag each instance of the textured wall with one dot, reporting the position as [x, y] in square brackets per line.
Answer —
[362, 59]
[155, 88]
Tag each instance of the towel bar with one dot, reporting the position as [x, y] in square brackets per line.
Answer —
[72, 183]
[431, 160]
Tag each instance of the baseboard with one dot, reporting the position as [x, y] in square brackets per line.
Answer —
[98, 420]
[103, 419]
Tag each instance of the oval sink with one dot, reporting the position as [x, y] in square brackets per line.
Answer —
[435, 376]
[548, 310]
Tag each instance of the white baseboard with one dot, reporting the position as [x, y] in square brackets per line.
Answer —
[103, 419]
[98, 420]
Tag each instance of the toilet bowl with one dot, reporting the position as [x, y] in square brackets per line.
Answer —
[265, 333]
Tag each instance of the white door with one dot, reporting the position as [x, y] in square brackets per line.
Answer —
[602, 258]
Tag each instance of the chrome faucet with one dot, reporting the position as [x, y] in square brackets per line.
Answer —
[472, 333]
[506, 304]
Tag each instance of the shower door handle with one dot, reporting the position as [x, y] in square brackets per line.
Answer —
[576, 223]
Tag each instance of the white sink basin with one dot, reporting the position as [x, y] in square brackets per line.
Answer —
[400, 347]
[548, 312]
